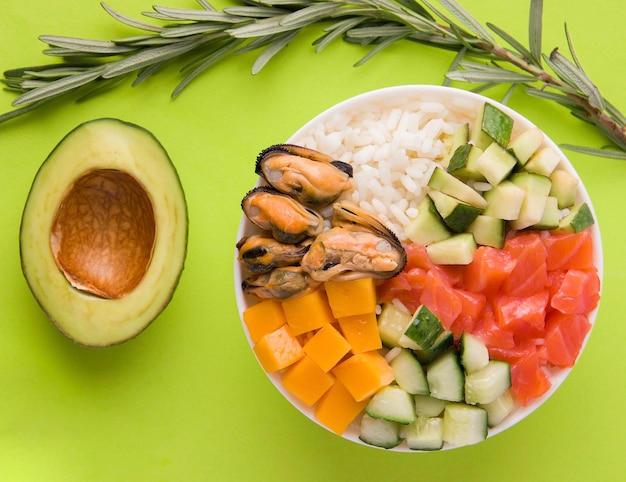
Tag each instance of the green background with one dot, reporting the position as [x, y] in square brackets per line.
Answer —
[187, 400]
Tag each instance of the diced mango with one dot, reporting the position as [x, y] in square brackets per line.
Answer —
[263, 318]
[278, 349]
[337, 408]
[327, 347]
[353, 297]
[307, 381]
[364, 374]
[361, 331]
[308, 312]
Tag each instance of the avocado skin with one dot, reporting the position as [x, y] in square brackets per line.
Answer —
[86, 319]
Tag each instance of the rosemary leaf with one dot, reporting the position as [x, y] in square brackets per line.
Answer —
[147, 57]
[379, 48]
[309, 15]
[217, 55]
[206, 5]
[275, 47]
[482, 75]
[467, 19]
[85, 45]
[253, 11]
[188, 30]
[455, 65]
[570, 45]
[561, 99]
[512, 42]
[608, 153]
[535, 29]
[574, 76]
[265, 26]
[336, 31]
[129, 21]
[57, 87]
[380, 31]
[195, 15]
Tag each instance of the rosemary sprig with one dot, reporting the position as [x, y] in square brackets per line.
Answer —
[205, 35]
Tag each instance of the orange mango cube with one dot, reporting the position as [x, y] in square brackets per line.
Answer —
[278, 349]
[308, 312]
[337, 408]
[327, 347]
[307, 381]
[352, 297]
[361, 331]
[263, 318]
[364, 374]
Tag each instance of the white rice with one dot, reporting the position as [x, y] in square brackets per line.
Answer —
[393, 148]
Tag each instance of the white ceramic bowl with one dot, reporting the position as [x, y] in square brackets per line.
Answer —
[465, 101]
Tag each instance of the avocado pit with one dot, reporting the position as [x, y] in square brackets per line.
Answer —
[103, 233]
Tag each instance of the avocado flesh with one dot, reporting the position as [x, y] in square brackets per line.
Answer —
[103, 237]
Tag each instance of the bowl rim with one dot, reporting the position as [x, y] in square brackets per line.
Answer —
[557, 375]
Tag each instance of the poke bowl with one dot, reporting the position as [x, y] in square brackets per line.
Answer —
[441, 280]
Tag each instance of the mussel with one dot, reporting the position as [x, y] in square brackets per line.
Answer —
[358, 245]
[289, 220]
[310, 176]
[280, 284]
[261, 254]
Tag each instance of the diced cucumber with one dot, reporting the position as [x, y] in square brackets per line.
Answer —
[551, 215]
[427, 406]
[443, 181]
[463, 163]
[578, 219]
[445, 377]
[392, 323]
[379, 432]
[488, 383]
[525, 144]
[504, 201]
[537, 188]
[426, 433]
[544, 161]
[499, 408]
[409, 373]
[443, 342]
[564, 188]
[427, 227]
[491, 125]
[457, 249]
[456, 214]
[488, 231]
[474, 353]
[464, 424]
[495, 163]
[459, 137]
[424, 328]
[392, 403]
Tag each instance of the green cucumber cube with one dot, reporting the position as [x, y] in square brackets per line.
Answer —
[495, 163]
[488, 231]
[564, 188]
[526, 144]
[504, 201]
[462, 165]
[458, 249]
[427, 227]
[579, 218]
[544, 161]
[444, 182]
[492, 125]
[456, 214]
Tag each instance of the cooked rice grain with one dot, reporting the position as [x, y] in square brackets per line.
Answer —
[393, 147]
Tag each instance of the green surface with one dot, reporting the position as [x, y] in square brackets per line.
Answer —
[186, 400]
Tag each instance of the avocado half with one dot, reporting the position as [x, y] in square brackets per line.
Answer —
[103, 236]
